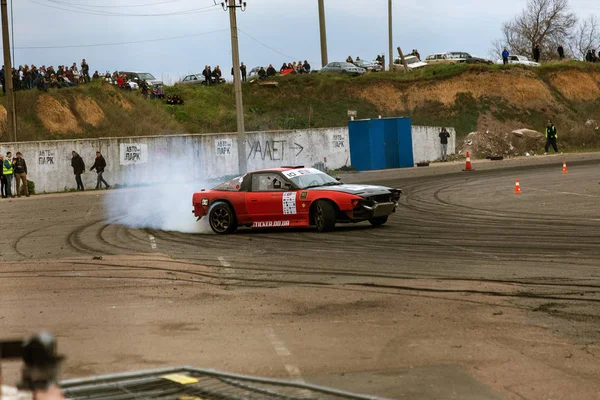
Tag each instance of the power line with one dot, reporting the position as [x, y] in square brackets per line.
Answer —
[119, 43]
[267, 46]
[113, 6]
[80, 10]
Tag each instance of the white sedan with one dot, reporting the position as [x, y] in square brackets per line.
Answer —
[519, 60]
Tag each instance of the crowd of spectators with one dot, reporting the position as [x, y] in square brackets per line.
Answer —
[213, 76]
[591, 56]
[26, 77]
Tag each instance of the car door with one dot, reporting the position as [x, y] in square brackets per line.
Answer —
[265, 201]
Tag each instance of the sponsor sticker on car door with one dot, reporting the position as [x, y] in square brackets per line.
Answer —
[289, 203]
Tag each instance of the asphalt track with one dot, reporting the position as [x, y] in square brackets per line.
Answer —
[461, 246]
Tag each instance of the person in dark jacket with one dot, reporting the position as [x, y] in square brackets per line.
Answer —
[561, 51]
[536, 53]
[20, 168]
[271, 71]
[444, 136]
[207, 73]
[243, 71]
[551, 137]
[306, 67]
[78, 169]
[262, 74]
[99, 165]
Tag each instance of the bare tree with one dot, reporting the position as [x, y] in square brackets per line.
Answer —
[585, 37]
[547, 22]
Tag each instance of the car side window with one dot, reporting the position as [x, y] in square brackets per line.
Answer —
[267, 183]
[187, 78]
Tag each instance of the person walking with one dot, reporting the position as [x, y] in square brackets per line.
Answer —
[505, 55]
[444, 135]
[551, 137]
[7, 172]
[2, 178]
[20, 167]
[99, 165]
[78, 169]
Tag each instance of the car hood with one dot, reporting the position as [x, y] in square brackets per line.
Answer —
[357, 190]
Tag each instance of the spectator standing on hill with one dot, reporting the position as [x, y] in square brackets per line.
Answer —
[85, 71]
[243, 71]
[536, 53]
[78, 169]
[20, 168]
[505, 55]
[2, 178]
[551, 137]
[561, 52]
[444, 136]
[7, 171]
[217, 74]
[207, 74]
[350, 60]
[99, 166]
[283, 68]
[271, 71]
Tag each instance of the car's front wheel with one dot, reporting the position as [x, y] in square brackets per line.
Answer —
[222, 218]
[378, 221]
[323, 215]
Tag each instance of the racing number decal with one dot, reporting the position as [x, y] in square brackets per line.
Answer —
[289, 203]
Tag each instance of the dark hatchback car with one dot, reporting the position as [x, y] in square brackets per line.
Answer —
[463, 57]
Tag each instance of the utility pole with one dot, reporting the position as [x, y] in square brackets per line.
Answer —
[237, 80]
[324, 61]
[391, 61]
[8, 82]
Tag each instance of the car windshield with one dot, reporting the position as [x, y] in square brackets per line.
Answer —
[309, 177]
[347, 65]
[146, 76]
[411, 60]
[363, 63]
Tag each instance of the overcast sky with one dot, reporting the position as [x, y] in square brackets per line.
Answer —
[273, 31]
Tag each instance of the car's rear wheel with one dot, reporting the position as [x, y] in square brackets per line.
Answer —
[323, 216]
[222, 219]
[378, 221]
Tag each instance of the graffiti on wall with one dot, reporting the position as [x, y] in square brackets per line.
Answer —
[46, 157]
[133, 154]
[273, 150]
[224, 147]
[338, 141]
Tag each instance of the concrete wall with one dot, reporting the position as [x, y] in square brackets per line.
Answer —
[426, 142]
[142, 160]
[139, 160]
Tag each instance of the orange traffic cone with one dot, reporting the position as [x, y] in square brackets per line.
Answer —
[517, 187]
[565, 168]
[468, 166]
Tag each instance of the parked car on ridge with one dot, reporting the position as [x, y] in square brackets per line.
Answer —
[342, 68]
[412, 62]
[368, 65]
[522, 60]
[440, 58]
[463, 57]
[139, 77]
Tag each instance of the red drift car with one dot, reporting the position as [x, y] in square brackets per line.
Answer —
[292, 197]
